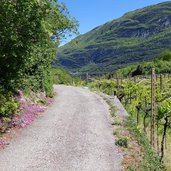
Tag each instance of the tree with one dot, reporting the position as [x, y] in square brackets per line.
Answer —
[27, 31]
[138, 71]
[165, 56]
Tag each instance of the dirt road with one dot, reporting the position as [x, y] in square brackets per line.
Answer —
[74, 134]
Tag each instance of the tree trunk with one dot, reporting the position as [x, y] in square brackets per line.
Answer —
[158, 137]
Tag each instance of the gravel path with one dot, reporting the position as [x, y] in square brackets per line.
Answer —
[74, 134]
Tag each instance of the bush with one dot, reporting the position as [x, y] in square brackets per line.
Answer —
[8, 105]
[33, 26]
[165, 56]
[123, 142]
[61, 76]
[105, 86]
[131, 169]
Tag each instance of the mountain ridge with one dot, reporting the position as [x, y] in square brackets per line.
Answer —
[136, 36]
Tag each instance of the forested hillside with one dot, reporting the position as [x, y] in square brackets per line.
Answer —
[162, 64]
[137, 36]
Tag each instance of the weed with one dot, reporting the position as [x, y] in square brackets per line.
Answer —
[113, 110]
[117, 121]
[123, 142]
[115, 132]
[131, 169]
[43, 101]
[150, 159]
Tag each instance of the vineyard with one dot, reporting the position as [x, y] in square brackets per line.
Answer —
[148, 101]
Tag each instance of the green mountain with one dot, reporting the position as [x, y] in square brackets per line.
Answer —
[137, 36]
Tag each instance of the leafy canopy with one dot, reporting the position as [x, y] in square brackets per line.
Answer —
[27, 33]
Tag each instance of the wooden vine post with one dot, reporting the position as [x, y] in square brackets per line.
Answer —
[161, 82]
[117, 84]
[121, 80]
[135, 81]
[117, 81]
[87, 77]
[152, 106]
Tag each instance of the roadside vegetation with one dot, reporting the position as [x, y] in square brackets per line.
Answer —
[61, 76]
[137, 151]
[30, 35]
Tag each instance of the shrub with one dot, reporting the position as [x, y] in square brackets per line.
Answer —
[8, 105]
[131, 169]
[123, 142]
[61, 76]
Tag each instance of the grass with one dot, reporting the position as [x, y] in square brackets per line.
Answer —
[150, 160]
[113, 110]
[143, 140]
[117, 121]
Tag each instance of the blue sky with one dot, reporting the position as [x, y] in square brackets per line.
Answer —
[92, 13]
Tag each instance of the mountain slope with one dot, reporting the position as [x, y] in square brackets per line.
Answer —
[137, 36]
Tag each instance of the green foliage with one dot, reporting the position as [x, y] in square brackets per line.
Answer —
[28, 30]
[43, 101]
[117, 121]
[123, 142]
[30, 49]
[8, 105]
[113, 110]
[137, 92]
[138, 71]
[131, 169]
[61, 76]
[150, 159]
[165, 56]
[161, 63]
[47, 82]
[164, 109]
[22, 21]
[105, 86]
